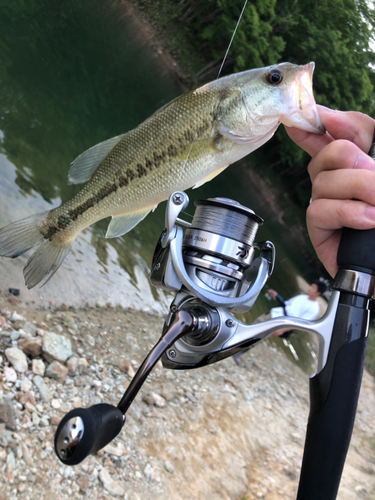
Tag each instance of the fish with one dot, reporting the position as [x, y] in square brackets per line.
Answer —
[184, 144]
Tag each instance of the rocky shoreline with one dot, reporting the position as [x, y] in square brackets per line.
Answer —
[220, 432]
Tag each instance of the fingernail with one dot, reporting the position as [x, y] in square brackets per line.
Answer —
[370, 212]
[365, 163]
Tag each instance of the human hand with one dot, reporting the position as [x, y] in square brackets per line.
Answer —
[272, 293]
[343, 179]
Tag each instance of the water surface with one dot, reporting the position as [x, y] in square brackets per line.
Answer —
[72, 74]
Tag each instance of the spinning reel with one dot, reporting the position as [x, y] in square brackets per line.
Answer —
[215, 269]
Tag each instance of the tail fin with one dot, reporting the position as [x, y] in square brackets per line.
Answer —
[23, 235]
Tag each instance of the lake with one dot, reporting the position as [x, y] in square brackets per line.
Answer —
[74, 74]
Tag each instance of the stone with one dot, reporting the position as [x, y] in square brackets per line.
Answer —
[168, 467]
[38, 367]
[76, 402]
[147, 398]
[83, 483]
[31, 345]
[56, 347]
[151, 474]
[55, 420]
[27, 397]
[5, 440]
[126, 367]
[169, 391]
[3, 322]
[110, 484]
[117, 451]
[12, 300]
[43, 389]
[159, 401]
[26, 385]
[135, 412]
[42, 436]
[11, 460]
[10, 374]
[30, 407]
[16, 317]
[17, 358]
[30, 328]
[72, 365]
[26, 455]
[8, 413]
[35, 419]
[44, 422]
[15, 335]
[55, 404]
[83, 380]
[83, 366]
[57, 371]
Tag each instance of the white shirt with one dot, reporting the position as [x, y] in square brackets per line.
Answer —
[299, 306]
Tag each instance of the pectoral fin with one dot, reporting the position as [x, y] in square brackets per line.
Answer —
[210, 176]
[122, 224]
[84, 166]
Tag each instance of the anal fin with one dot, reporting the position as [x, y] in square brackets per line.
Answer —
[122, 224]
[210, 176]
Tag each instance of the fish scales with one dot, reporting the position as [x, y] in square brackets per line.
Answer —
[147, 151]
[184, 144]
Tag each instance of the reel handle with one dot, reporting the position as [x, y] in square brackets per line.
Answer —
[84, 431]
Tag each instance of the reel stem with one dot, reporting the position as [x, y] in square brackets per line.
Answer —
[183, 322]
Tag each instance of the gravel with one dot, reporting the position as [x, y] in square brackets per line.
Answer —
[219, 432]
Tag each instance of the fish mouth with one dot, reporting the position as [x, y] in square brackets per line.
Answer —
[301, 111]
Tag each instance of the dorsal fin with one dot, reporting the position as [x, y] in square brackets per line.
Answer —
[84, 166]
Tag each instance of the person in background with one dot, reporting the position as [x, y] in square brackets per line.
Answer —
[303, 306]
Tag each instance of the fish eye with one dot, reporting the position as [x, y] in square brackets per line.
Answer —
[274, 77]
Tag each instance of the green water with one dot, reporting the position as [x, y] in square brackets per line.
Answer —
[72, 74]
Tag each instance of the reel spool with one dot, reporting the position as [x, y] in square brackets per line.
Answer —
[218, 247]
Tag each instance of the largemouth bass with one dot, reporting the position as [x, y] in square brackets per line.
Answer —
[186, 143]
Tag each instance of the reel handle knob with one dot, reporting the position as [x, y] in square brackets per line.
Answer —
[84, 431]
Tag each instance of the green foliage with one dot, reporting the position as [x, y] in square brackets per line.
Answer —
[336, 34]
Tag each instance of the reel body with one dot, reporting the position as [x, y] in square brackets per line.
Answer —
[214, 258]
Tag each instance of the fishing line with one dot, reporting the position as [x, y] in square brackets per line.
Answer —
[230, 43]
[226, 222]
[221, 67]
[185, 213]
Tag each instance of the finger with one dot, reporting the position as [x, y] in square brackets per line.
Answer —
[328, 214]
[326, 218]
[311, 143]
[345, 185]
[352, 126]
[340, 154]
